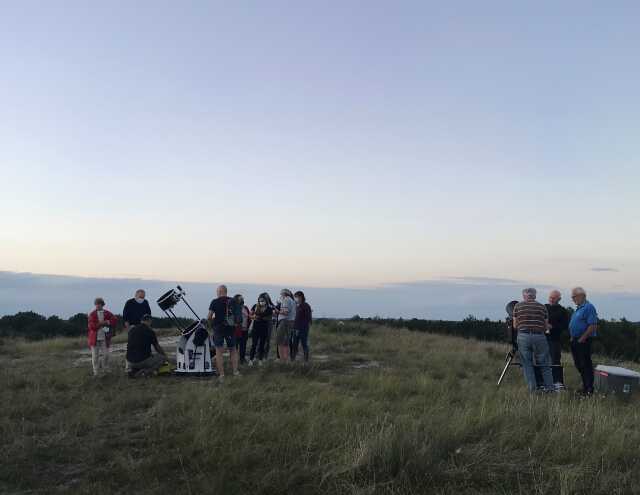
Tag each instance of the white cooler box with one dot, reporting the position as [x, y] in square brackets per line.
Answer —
[614, 380]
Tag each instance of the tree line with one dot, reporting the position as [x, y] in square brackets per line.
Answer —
[617, 339]
[32, 326]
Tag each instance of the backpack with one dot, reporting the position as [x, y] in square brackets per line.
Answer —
[229, 316]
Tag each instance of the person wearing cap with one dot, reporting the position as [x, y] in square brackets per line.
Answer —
[286, 316]
[140, 339]
[101, 327]
[134, 309]
[531, 320]
[582, 328]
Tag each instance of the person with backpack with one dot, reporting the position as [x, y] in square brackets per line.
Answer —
[286, 316]
[242, 327]
[301, 327]
[261, 314]
[101, 327]
[223, 318]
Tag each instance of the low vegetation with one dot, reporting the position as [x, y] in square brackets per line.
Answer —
[33, 326]
[380, 410]
[617, 339]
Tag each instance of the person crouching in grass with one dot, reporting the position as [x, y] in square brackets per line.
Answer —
[140, 340]
[301, 327]
[101, 326]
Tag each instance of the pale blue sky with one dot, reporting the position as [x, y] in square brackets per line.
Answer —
[322, 143]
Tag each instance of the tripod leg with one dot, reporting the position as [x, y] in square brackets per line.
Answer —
[510, 357]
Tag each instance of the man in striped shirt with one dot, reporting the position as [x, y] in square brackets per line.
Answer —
[531, 320]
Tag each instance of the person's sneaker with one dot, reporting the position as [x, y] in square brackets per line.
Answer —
[559, 387]
[250, 363]
[260, 362]
[236, 373]
[221, 379]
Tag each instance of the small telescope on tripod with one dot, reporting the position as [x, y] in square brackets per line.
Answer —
[512, 333]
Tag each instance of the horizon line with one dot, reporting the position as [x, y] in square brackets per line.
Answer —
[453, 280]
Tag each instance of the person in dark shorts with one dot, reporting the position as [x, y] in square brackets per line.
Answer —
[559, 321]
[140, 339]
[301, 326]
[223, 318]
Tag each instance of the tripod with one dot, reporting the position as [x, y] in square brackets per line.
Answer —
[511, 355]
[510, 359]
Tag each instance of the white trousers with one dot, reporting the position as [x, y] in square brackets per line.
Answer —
[99, 356]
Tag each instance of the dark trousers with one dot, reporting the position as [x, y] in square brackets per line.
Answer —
[267, 346]
[300, 337]
[241, 346]
[292, 340]
[555, 350]
[259, 343]
[582, 359]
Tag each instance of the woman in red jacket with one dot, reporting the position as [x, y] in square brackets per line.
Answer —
[102, 325]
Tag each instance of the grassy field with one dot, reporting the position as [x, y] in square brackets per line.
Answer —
[382, 411]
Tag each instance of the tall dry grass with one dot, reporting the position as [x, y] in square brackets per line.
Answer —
[384, 411]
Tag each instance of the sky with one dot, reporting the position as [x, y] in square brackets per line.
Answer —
[322, 144]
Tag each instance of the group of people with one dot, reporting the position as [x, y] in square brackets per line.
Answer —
[232, 322]
[539, 330]
[229, 319]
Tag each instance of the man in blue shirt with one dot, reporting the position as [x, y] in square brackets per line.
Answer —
[583, 327]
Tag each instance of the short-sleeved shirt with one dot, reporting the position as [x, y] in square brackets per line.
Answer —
[222, 307]
[140, 340]
[290, 305]
[531, 316]
[583, 317]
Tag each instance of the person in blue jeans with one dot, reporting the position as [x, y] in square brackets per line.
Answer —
[301, 327]
[531, 319]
